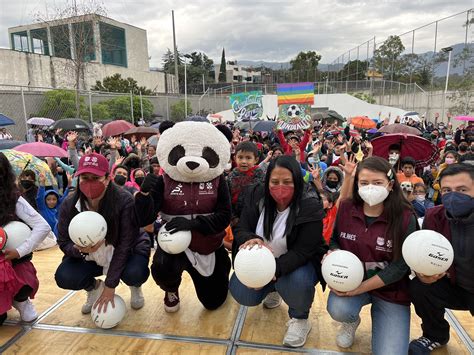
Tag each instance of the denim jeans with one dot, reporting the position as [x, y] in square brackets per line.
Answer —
[390, 321]
[296, 289]
[79, 274]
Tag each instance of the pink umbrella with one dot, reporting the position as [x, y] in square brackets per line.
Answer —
[42, 150]
[116, 128]
[464, 118]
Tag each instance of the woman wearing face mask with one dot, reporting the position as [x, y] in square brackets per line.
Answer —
[285, 216]
[450, 157]
[373, 225]
[28, 188]
[123, 255]
[421, 203]
[137, 176]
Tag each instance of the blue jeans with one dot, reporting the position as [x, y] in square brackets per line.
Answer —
[79, 274]
[296, 289]
[390, 321]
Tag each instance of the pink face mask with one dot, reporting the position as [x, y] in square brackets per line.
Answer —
[92, 189]
[449, 161]
[282, 194]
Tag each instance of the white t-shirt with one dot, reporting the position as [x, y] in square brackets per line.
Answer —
[278, 242]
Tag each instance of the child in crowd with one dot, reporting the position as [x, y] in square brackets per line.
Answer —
[420, 202]
[246, 173]
[408, 172]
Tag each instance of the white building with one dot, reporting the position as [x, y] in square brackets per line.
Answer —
[238, 74]
[42, 54]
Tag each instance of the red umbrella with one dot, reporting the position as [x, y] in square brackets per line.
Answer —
[116, 128]
[42, 150]
[400, 128]
[140, 132]
[421, 149]
[363, 122]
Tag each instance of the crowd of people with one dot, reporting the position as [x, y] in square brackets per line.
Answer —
[302, 194]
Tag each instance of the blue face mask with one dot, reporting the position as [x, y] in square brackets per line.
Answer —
[458, 204]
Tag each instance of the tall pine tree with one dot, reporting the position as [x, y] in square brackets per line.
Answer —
[223, 70]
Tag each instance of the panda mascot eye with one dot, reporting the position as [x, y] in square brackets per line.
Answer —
[175, 154]
[210, 156]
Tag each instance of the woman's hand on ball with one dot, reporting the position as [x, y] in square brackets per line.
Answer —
[329, 252]
[249, 244]
[430, 279]
[104, 299]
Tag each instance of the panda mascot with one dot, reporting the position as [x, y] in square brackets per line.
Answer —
[191, 195]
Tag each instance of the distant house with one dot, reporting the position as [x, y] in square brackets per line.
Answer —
[374, 75]
[40, 52]
[238, 74]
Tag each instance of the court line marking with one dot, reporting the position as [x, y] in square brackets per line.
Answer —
[460, 331]
[252, 345]
[237, 329]
[27, 327]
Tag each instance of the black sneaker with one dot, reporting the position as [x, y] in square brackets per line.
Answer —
[423, 345]
[3, 318]
[171, 302]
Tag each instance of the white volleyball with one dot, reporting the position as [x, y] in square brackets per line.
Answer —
[427, 252]
[112, 317]
[174, 243]
[17, 232]
[255, 267]
[87, 228]
[342, 270]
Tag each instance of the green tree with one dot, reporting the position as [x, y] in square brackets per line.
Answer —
[116, 83]
[177, 111]
[355, 70]
[305, 66]
[168, 61]
[119, 108]
[61, 103]
[387, 58]
[364, 97]
[462, 96]
[223, 69]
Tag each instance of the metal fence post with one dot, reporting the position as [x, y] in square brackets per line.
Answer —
[131, 106]
[141, 105]
[90, 108]
[167, 107]
[24, 110]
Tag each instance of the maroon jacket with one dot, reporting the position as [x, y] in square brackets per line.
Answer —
[207, 203]
[436, 220]
[371, 247]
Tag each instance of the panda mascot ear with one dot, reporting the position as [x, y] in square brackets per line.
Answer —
[193, 152]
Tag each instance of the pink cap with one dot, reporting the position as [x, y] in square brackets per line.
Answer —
[93, 163]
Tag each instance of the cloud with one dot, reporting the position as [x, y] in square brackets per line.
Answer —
[270, 30]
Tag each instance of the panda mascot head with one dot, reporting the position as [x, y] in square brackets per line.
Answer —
[193, 152]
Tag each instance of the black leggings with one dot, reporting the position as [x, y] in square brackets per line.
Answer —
[211, 291]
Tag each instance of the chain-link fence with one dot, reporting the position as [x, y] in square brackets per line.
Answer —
[22, 103]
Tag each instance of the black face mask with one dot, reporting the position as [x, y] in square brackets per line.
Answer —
[139, 180]
[332, 184]
[120, 180]
[27, 184]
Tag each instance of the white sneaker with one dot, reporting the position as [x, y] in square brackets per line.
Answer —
[345, 337]
[297, 332]
[272, 300]
[137, 300]
[26, 309]
[92, 296]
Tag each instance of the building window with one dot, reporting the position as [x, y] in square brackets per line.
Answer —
[61, 43]
[84, 40]
[39, 41]
[20, 41]
[112, 41]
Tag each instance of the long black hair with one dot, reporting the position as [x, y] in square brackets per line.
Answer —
[393, 206]
[293, 166]
[9, 193]
[108, 208]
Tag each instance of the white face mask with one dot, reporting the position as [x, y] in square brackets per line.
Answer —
[420, 198]
[373, 194]
[393, 158]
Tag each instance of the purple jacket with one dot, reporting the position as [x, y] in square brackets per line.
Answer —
[371, 247]
[129, 240]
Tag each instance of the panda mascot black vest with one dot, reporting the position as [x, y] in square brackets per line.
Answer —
[191, 195]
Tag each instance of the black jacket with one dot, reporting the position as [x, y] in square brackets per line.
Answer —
[305, 242]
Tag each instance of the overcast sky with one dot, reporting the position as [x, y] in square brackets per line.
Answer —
[270, 30]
